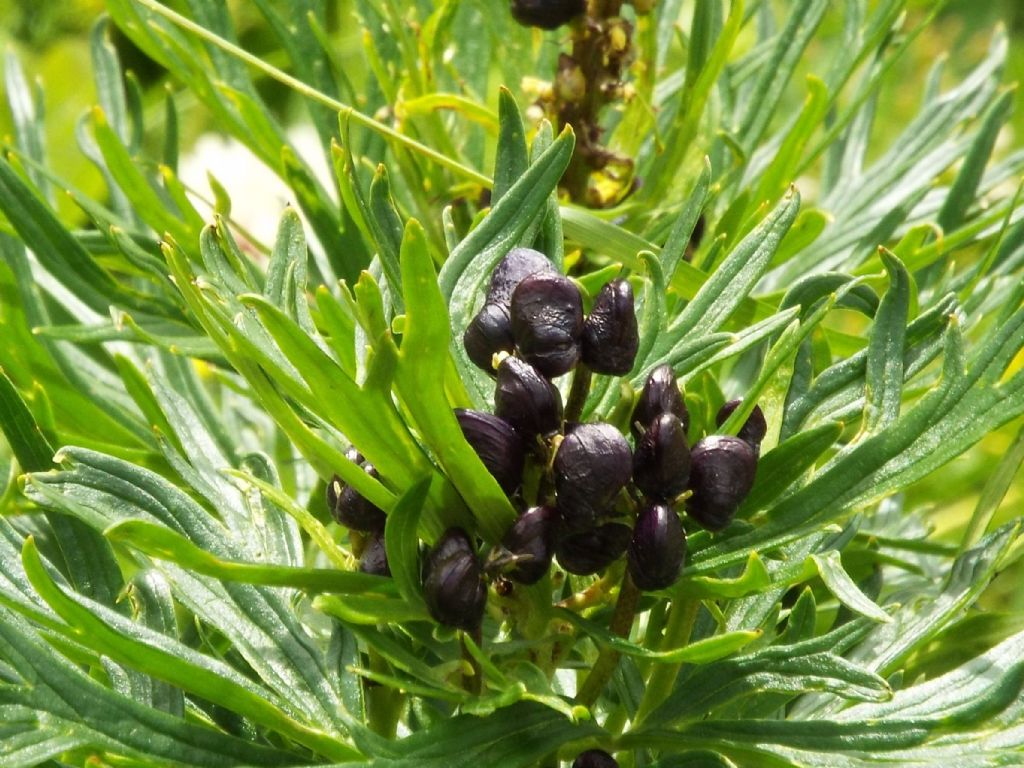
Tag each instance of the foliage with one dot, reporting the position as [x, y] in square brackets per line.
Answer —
[176, 394]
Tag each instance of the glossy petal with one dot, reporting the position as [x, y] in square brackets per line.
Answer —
[497, 443]
[488, 333]
[754, 428]
[610, 335]
[592, 465]
[532, 536]
[660, 395]
[721, 475]
[547, 320]
[591, 551]
[454, 587]
[527, 400]
[657, 548]
[661, 462]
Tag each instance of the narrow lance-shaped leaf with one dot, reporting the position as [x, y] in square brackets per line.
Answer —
[421, 378]
[884, 373]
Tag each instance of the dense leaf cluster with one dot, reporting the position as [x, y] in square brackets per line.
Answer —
[180, 399]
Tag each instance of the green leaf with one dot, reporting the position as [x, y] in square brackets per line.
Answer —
[518, 736]
[735, 278]
[215, 686]
[401, 541]
[387, 229]
[421, 384]
[839, 583]
[30, 446]
[67, 708]
[511, 159]
[785, 464]
[159, 542]
[700, 652]
[884, 373]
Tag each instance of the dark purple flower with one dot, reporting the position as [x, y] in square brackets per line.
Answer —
[527, 400]
[374, 559]
[547, 320]
[590, 551]
[661, 461]
[518, 264]
[532, 537]
[546, 14]
[754, 428]
[721, 475]
[592, 464]
[453, 586]
[498, 445]
[352, 510]
[488, 333]
[660, 395]
[657, 548]
[610, 336]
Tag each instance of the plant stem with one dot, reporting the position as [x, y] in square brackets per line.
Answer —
[578, 393]
[608, 659]
[682, 616]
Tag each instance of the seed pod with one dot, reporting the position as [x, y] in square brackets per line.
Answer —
[594, 758]
[721, 475]
[547, 320]
[657, 548]
[610, 337]
[489, 332]
[661, 462]
[590, 551]
[497, 444]
[546, 14]
[660, 395]
[532, 536]
[518, 264]
[754, 428]
[526, 400]
[374, 559]
[453, 586]
[352, 510]
[591, 466]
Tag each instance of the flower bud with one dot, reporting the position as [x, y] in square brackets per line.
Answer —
[546, 14]
[660, 395]
[590, 551]
[498, 445]
[721, 475]
[610, 337]
[754, 428]
[489, 332]
[526, 400]
[374, 559]
[352, 510]
[594, 758]
[453, 585]
[547, 320]
[657, 548]
[591, 466]
[518, 264]
[532, 538]
[661, 462]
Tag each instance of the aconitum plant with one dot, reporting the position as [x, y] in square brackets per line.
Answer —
[638, 387]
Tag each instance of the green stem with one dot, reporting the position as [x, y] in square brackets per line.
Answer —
[577, 393]
[473, 683]
[608, 659]
[682, 616]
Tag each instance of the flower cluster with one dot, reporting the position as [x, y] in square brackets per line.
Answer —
[587, 497]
